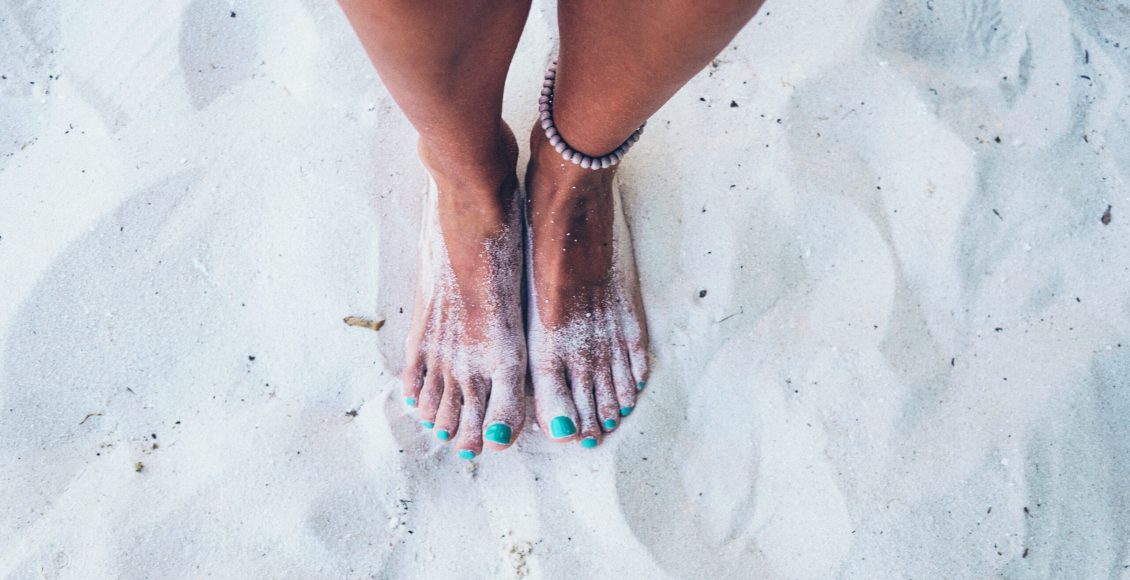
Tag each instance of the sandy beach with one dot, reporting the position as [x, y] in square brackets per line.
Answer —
[884, 249]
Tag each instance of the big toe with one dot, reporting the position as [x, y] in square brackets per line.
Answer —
[555, 410]
[505, 414]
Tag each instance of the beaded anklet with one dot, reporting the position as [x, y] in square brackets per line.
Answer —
[545, 111]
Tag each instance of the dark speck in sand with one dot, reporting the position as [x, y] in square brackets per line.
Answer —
[998, 329]
[702, 293]
[138, 466]
[997, 139]
[1106, 216]
[251, 357]
[1025, 554]
[351, 413]
[733, 104]
[233, 13]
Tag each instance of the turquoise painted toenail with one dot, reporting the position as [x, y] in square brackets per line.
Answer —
[562, 427]
[499, 433]
[625, 411]
[443, 435]
[410, 401]
[427, 424]
[640, 385]
[467, 454]
[610, 424]
[588, 442]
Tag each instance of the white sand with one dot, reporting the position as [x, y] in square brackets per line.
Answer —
[912, 358]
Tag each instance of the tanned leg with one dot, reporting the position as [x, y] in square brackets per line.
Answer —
[445, 64]
[618, 63]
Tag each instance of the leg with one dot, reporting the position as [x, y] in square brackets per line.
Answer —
[445, 64]
[587, 332]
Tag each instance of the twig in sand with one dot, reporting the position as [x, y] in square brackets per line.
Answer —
[89, 415]
[364, 322]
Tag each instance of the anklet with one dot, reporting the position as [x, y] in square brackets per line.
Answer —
[545, 112]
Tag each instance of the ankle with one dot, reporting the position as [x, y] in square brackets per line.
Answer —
[473, 172]
[561, 179]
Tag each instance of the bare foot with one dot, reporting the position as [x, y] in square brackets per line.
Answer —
[466, 356]
[587, 335]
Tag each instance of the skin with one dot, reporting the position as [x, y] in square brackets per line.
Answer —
[445, 63]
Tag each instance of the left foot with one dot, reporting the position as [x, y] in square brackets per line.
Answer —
[587, 337]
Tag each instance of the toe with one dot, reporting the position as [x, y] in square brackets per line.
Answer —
[430, 397]
[637, 354]
[447, 418]
[506, 409]
[412, 382]
[624, 382]
[469, 444]
[554, 402]
[607, 408]
[585, 402]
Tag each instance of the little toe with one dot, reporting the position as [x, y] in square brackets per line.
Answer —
[624, 383]
[607, 407]
[506, 410]
[412, 381]
[585, 401]
[637, 354]
[469, 444]
[447, 419]
[430, 397]
[554, 402]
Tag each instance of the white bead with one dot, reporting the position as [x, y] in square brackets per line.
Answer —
[543, 107]
[564, 150]
[546, 91]
[559, 146]
[586, 162]
[577, 157]
[613, 161]
[543, 99]
[550, 132]
[554, 140]
[547, 83]
[605, 163]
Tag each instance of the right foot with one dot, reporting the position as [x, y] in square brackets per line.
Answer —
[465, 362]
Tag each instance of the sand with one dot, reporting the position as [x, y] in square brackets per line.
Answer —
[891, 325]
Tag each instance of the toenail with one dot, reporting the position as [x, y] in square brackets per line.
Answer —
[562, 427]
[443, 435]
[610, 424]
[588, 442]
[467, 454]
[427, 424]
[410, 401]
[625, 411]
[640, 385]
[499, 433]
